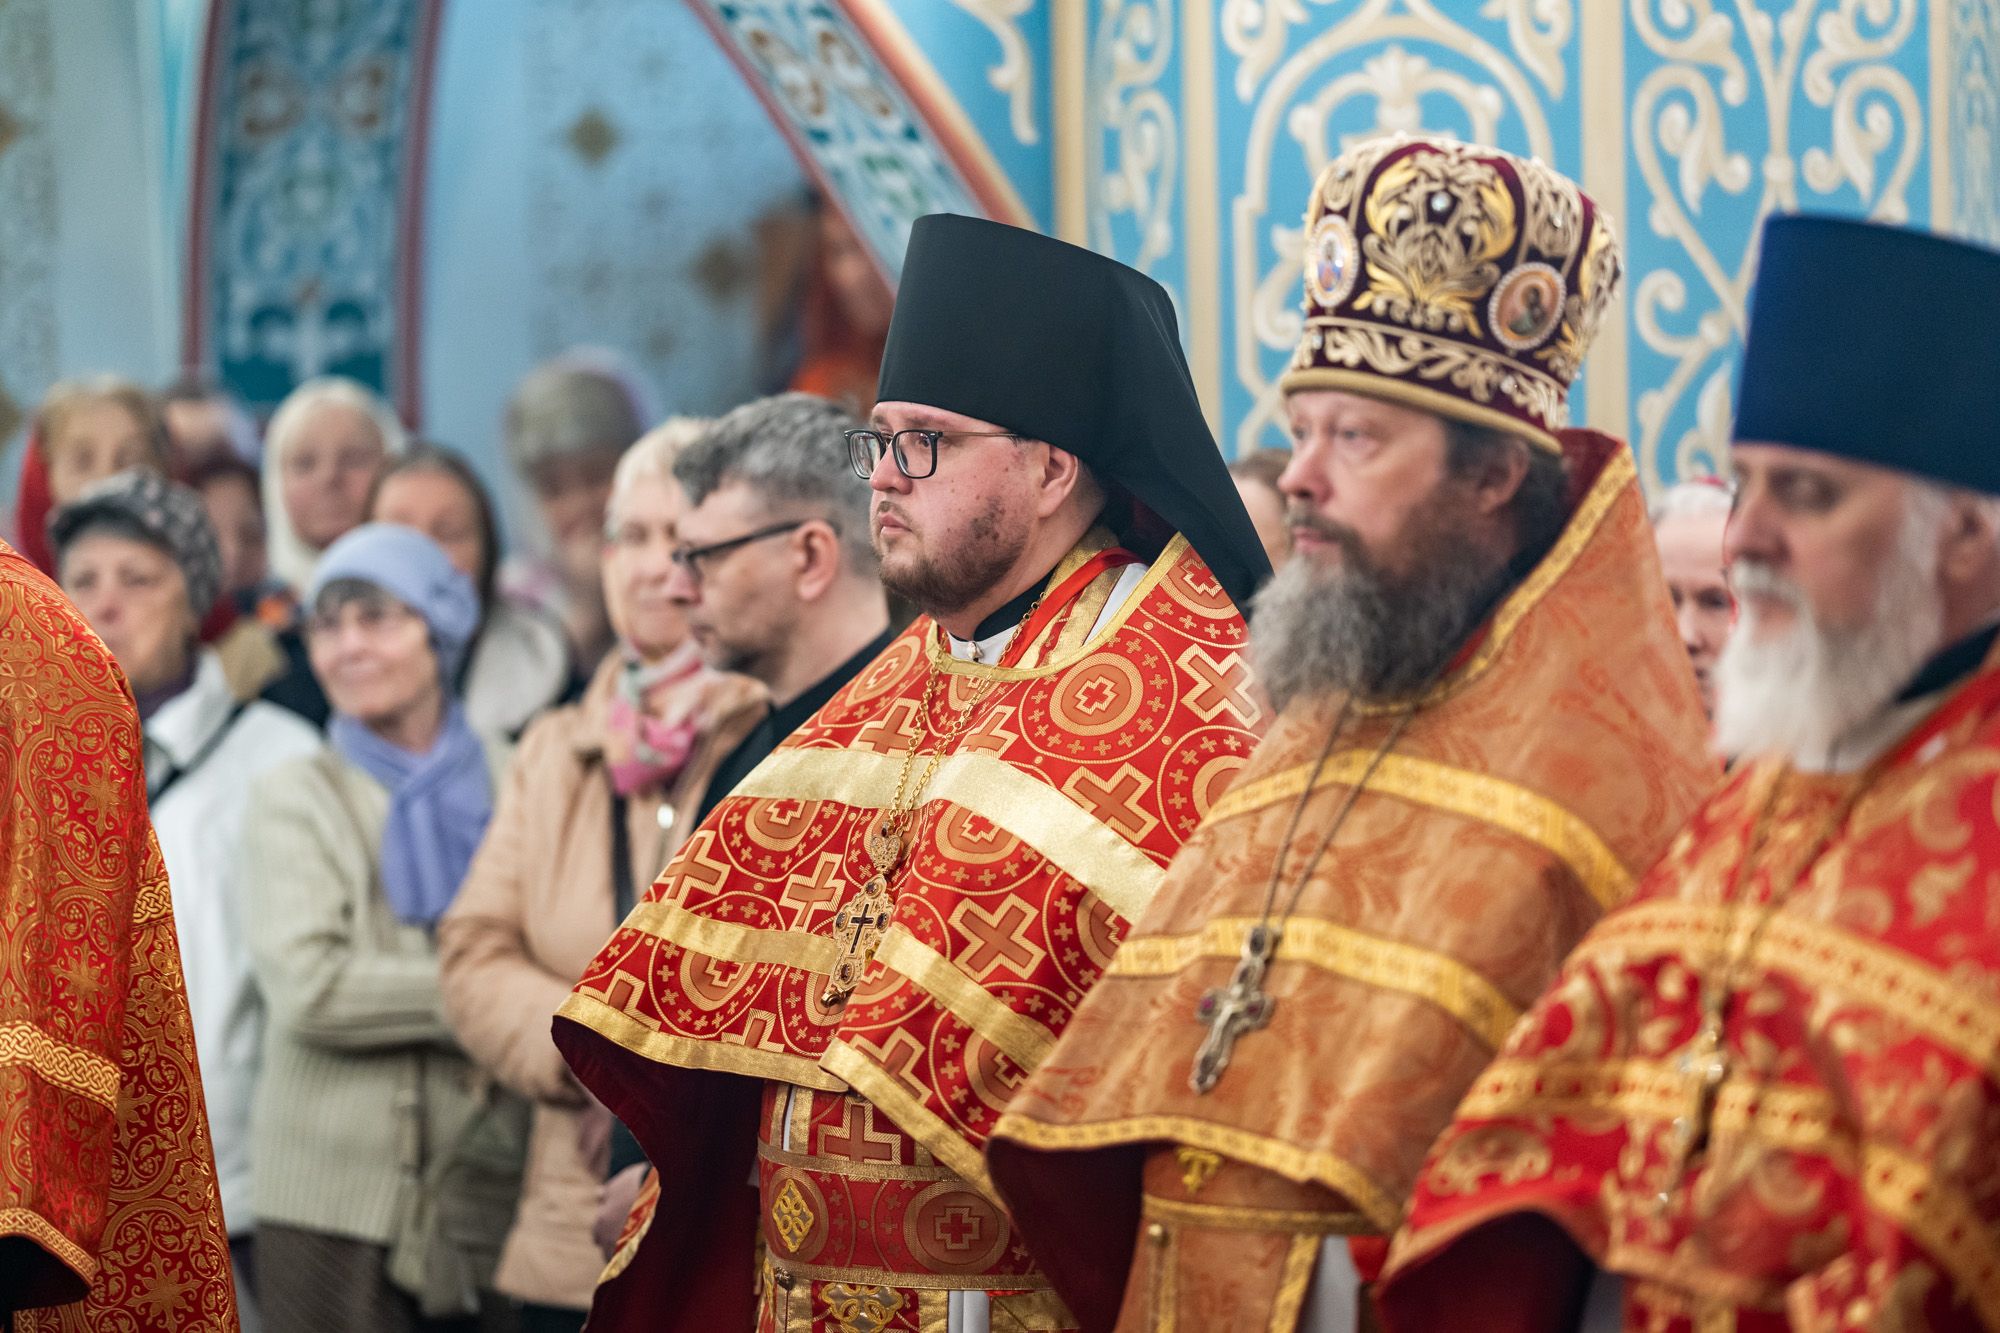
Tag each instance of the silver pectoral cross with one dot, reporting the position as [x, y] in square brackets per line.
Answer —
[1234, 1010]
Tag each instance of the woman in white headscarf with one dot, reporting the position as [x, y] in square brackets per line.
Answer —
[325, 446]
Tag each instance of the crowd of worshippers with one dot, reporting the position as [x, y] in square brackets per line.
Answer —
[1425, 837]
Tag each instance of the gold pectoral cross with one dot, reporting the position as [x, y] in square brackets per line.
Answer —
[861, 921]
[1234, 1010]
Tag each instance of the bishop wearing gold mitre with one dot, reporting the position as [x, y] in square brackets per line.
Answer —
[109, 1213]
[839, 983]
[1765, 1096]
[1487, 729]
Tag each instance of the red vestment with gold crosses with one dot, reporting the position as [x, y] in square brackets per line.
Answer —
[109, 1213]
[1046, 828]
[1838, 1168]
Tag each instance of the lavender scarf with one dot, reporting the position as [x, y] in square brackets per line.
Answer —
[439, 805]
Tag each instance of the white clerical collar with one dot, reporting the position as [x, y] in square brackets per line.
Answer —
[986, 651]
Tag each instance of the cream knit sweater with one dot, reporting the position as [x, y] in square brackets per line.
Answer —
[353, 1007]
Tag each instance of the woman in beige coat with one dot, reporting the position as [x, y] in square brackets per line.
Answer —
[544, 892]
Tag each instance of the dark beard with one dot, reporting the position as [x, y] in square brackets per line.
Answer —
[1356, 628]
[946, 586]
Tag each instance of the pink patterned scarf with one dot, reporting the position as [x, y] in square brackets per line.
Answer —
[653, 720]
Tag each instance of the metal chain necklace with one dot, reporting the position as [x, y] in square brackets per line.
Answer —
[1243, 1005]
[865, 917]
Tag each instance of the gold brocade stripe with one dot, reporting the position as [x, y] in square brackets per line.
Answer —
[849, 1169]
[1024, 1040]
[629, 1033]
[1819, 956]
[60, 1063]
[1942, 1220]
[1370, 959]
[1300, 1260]
[732, 942]
[1166, 1302]
[1307, 1165]
[1230, 1217]
[911, 1280]
[1505, 805]
[1019, 803]
[1176, 550]
[1083, 615]
[914, 1118]
[1794, 1118]
[27, 1222]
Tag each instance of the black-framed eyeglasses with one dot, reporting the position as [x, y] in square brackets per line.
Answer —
[690, 558]
[915, 450]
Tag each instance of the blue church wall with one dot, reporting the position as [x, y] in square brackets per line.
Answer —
[1186, 134]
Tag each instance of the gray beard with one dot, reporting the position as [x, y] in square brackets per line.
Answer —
[1356, 629]
[1805, 695]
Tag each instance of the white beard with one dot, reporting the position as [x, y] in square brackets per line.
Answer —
[1806, 693]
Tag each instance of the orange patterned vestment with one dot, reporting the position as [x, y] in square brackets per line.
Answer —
[1851, 1174]
[1045, 831]
[109, 1214]
[1544, 772]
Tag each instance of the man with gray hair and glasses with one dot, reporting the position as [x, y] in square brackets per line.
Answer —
[774, 567]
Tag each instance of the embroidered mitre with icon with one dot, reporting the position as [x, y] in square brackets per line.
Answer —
[1458, 279]
[1245, 1089]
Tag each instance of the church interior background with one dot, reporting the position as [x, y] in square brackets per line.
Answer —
[434, 195]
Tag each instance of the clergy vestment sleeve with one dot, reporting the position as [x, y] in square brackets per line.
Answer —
[306, 861]
[108, 1199]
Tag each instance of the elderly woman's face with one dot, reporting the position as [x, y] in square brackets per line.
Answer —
[639, 567]
[373, 657]
[135, 597]
[96, 440]
[329, 467]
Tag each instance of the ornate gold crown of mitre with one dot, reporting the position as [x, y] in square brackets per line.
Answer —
[1458, 279]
